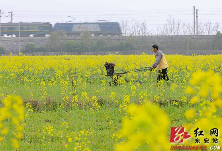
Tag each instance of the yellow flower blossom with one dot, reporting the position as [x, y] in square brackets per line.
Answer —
[1, 139]
[5, 131]
[140, 128]
[190, 90]
[15, 143]
[70, 139]
[190, 114]
[194, 100]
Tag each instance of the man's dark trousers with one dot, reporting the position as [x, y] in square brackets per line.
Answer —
[162, 74]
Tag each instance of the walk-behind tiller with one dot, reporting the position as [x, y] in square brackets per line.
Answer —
[115, 75]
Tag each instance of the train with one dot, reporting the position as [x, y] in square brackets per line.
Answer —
[42, 29]
[37, 29]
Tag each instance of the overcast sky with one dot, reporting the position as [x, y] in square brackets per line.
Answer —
[154, 13]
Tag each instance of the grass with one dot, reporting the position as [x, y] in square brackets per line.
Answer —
[102, 124]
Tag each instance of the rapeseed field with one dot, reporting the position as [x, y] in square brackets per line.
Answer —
[68, 102]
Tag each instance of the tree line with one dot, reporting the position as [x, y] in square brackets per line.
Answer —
[171, 27]
[57, 42]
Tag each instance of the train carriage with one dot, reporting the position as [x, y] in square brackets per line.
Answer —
[37, 29]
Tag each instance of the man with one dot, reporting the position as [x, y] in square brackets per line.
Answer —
[160, 64]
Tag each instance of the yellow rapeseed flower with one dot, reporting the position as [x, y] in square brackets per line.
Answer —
[190, 90]
[69, 139]
[15, 143]
[66, 146]
[190, 114]
[194, 100]
[218, 103]
[19, 135]
[5, 131]
[141, 127]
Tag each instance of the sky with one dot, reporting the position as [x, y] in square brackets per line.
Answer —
[155, 13]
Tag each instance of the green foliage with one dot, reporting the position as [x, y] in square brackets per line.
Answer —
[217, 41]
[87, 39]
[86, 36]
[56, 41]
[71, 46]
[99, 45]
[120, 46]
[31, 47]
[131, 41]
[2, 50]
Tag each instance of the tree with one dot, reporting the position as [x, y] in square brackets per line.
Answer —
[56, 41]
[2, 50]
[69, 46]
[125, 27]
[217, 41]
[143, 29]
[130, 40]
[87, 39]
[100, 44]
[30, 47]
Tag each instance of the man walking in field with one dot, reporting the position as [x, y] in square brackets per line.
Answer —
[160, 64]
